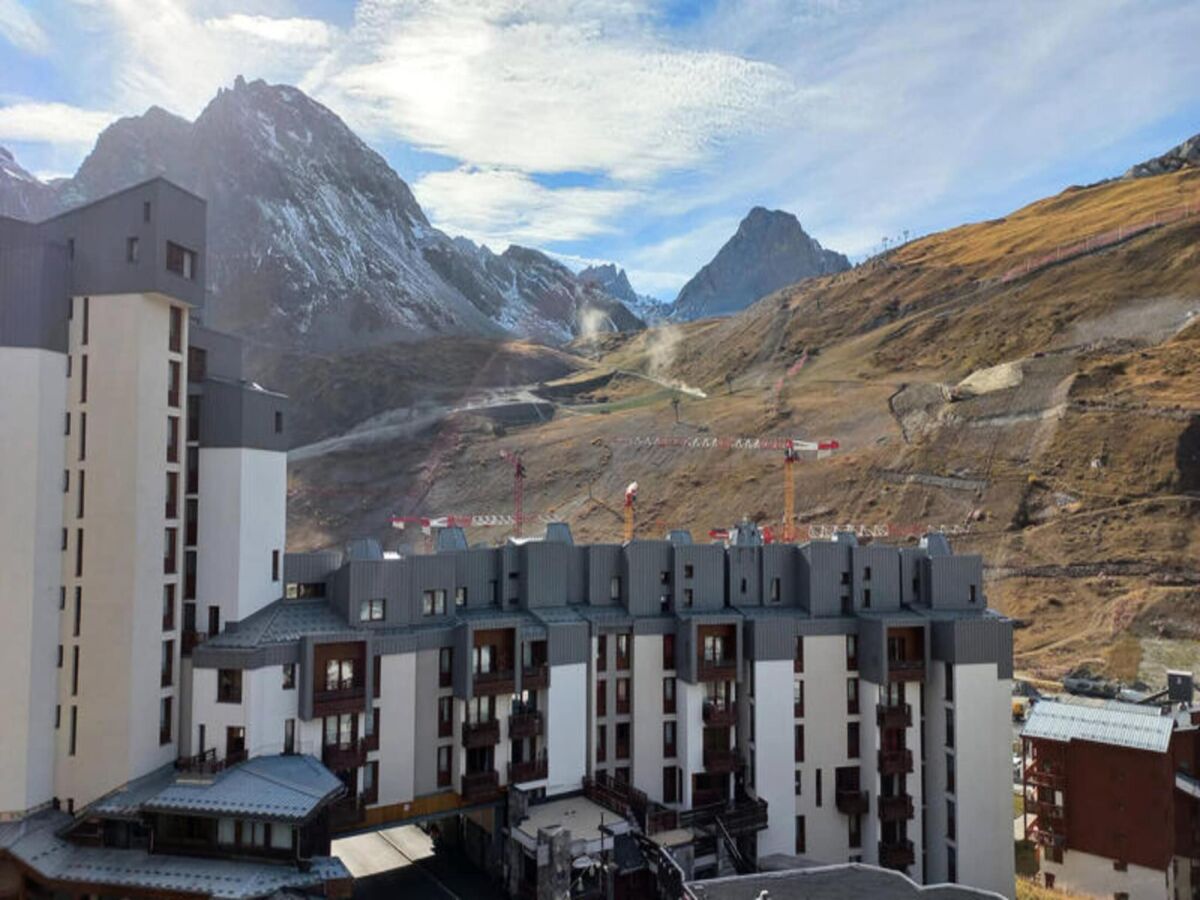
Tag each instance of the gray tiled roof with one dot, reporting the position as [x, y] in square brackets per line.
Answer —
[277, 788]
[1101, 724]
[848, 881]
[35, 842]
[281, 622]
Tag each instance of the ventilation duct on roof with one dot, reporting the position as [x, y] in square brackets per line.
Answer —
[559, 533]
[679, 537]
[452, 538]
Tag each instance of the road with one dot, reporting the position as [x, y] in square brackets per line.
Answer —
[400, 862]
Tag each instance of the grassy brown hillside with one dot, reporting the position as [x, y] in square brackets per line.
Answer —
[1056, 417]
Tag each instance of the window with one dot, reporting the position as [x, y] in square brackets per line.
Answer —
[193, 470]
[866, 573]
[601, 698]
[743, 585]
[852, 740]
[83, 378]
[445, 716]
[776, 590]
[798, 782]
[62, 597]
[57, 716]
[668, 648]
[949, 670]
[664, 578]
[614, 587]
[86, 316]
[146, 211]
[443, 765]
[181, 261]
[214, 620]
[818, 790]
[445, 666]
[689, 570]
[278, 422]
[622, 651]
[339, 675]
[622, 740]
[67, 417]
[71, 738]
[60, 655]
[229, 685]
[950, 729]
[971, 594]
[197, 360]
[670, 784]
[798, 698]
[70, 248]
[168, 663]
[131, 249]
[66, 480]
[866, 598]
[289, 736]
[172, 506]
[601, 743]
[433, 603]
[289, 676]
[460, 596]
[173, 378]
[952, 870]
[800, 842]
[78, 610]
[170, 553]
[75, 671]
[173, 439]
[371, 610]
[951, 825]
[950, 783]
[274, 565]
[799, 737]
[689, 597]
[851, 651]
[855, 831]
[845, 578]
[65, 534]
[82, 436]
[175, 333]
[601, 653]
[164, 721]
[852, 696]
[78, 552]
[622, 696]
[668, 696]
[668, 739]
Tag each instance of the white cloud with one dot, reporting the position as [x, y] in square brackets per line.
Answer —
[498, 206]
[19, 28]
[301, 32]
[51, 123]
[542, 86]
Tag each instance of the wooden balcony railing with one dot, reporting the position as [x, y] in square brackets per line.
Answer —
[348, 755]
[371, 742]
[898, 716]
[895, 762]
[206, 762]
[481, 734]
[852, 803]
[535, 677]
[489, 683]
[906, 670]
[720, 715]
[896, 854]
[716, 760]
[724, 669]
[895, 809]
[528, 770]
[525, 724]
[479, 786]
[341, 700]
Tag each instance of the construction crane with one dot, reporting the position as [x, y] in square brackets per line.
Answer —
[630, 500]
[518, 487]
[791, 447]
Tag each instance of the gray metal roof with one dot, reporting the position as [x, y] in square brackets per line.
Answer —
[35, 842]
[1121, 727]
[281, 622]
[847, 881]
[275, 788]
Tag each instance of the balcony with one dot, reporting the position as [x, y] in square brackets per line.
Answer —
[481, 734]
[724, 669]
[525, 724]
[349, 699]
[895, 809]
[853, 803]
[529, 770]
[348, 755]
[345, 814]
[500, 682]
[738, 816]
[1047, 814]
[906, 670]
[720, 760]
[899, 716]
[895, 762]
[371, 742]
[1046, 775]
[1045, 838]
[720, 715]
[535, 678]
[476, 787]
[896, 854]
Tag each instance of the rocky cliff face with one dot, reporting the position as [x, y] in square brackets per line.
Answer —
[769, 251]
[314, 242]
[612, 280]
[1186, 154]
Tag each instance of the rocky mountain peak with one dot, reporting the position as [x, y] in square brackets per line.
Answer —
[769, 250]
[1182, 156]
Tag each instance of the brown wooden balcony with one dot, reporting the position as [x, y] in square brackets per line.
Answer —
[488, 683]
[189, 640]
[528, 770]
[898, 716]
[477, 787]
[716, 760]
[1048, 814]
[895, 809]
[371, 742]
[1044, 837]
[481, 734]
[336, 702]
[535, 677]
[348, 755]
[717, 669]
[737, 816]
[720, 715]
[896, 854]
[705, 797]
[1047, 775]
[895, 762]
[906, 670]
[852, 803]
[525, 724]
[206, 762]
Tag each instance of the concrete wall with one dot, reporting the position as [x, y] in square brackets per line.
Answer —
[567, 732]
[774, 754]
[397, 734]
[32, 409]
[1095, 876]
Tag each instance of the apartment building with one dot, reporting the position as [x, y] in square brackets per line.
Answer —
[1112, 796]
[833, 701]
[142, 483]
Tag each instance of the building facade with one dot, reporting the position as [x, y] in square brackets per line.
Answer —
[1112, 798]
[829, 700]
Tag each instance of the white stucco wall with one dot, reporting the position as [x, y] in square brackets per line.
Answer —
[264, 708]
[32, 408]
[1092, 875]
[567, 728]
[397, 727]
[689, 732]
[774, 754]
[647, 750]
[242, 519]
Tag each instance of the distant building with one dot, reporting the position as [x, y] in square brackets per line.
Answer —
[834, 882]
[1112, 795]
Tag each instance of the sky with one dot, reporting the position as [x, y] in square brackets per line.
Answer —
[642, 131]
